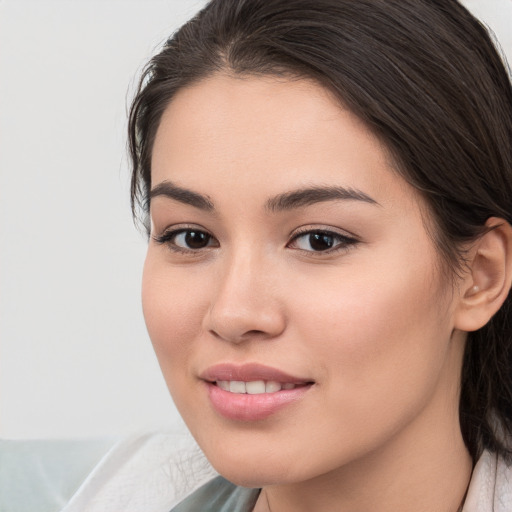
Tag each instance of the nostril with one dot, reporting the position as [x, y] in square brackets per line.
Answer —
[231, 321]
[254, 333]
[245, 336]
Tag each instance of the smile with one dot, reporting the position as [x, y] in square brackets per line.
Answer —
[252, 392]
[258, 377]
[242, 405]
[255, 387]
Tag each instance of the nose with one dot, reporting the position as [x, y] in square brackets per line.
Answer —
[245, 303]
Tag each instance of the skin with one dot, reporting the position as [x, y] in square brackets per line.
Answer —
[373, 324]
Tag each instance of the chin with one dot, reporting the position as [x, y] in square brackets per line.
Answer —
[252, 475]
[258, 468]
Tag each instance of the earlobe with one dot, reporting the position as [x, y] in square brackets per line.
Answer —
[489, 277]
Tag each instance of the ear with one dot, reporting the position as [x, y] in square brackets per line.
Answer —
[489, 278]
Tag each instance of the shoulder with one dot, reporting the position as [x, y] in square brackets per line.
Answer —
[145, 473]
[490, 488]
[42, 474]
[221, 496]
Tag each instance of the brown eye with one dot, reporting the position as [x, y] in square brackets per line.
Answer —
[187, 239]
[191, 239]
[321, 241]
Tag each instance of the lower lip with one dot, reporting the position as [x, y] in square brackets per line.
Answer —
[245, 407]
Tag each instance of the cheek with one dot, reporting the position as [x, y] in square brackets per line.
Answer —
[173, 305]
[380, 336]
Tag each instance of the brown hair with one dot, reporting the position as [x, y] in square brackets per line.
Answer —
[425, 77]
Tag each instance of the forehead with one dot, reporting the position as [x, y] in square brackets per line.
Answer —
[265, 132]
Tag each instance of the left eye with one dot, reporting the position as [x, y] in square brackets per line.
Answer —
[320, 241]
[187, 239]
[192, 239]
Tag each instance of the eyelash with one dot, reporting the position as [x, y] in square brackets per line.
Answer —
[344, 241]
[166, 238]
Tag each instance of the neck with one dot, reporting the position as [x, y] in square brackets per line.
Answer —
[387, 482]
[423, 467]
[392, 482]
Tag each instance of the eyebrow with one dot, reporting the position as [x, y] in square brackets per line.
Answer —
[318, 194]
[283, 202]
[183, 195]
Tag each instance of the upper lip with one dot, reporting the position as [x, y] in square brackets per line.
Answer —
[249, 372]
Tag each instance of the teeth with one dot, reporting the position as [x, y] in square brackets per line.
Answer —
[223, 384]
[255, 387]
[272, 386]
[236, 386]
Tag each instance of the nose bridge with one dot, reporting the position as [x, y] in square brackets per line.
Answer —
[245, 303]
[240, 272]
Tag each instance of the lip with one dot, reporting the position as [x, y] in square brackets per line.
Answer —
[246, 407]
[249, 372]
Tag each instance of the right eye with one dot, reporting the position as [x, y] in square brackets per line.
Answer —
[187, 239]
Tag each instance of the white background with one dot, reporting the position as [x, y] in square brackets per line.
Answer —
[75, 359]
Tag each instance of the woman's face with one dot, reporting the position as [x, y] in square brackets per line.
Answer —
[291, 291]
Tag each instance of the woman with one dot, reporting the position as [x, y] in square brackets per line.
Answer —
[327, 190]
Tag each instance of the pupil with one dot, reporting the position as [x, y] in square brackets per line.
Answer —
[320, 242]
[196, 239]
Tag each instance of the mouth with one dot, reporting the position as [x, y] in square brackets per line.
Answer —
[251, 378]
[256, 387]
[252, 392]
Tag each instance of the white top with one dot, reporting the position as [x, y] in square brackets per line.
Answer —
[147, 473]
[154, 472]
